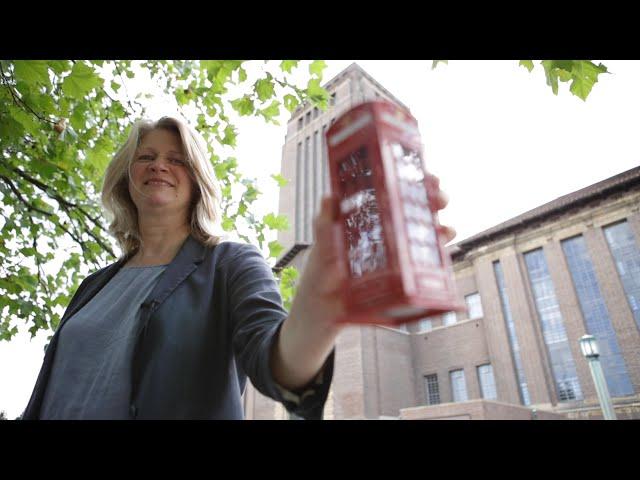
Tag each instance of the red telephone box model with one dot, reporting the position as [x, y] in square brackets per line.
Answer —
[399, 270]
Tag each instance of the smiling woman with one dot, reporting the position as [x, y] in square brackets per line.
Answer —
[156, 152]
[177, 325]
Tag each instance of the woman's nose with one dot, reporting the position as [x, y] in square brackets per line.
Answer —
[158, 164]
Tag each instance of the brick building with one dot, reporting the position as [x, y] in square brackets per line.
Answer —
[533, 286]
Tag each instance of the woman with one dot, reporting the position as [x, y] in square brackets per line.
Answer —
[173, 329]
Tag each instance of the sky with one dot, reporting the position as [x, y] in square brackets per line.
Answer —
[494, 133]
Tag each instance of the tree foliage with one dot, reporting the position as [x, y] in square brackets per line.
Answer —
[60, 124]
[583, 74]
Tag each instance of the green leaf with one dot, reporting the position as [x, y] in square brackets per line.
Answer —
[264, 88]
[230, 134]
[436, 62]
[32, 71]
[100, 155]
[317, 67]
[271, 111]
[251, 194]
[290, 102]
[243, 105]
[10, 130]
[317, 94]
[228, 224]
[288, 65]
[59, 66]
[44, 103]
[242, 74]
[211, 67]
[528, 64]
[77, 119]
[28, 252]
[551, 74]
[585, 75]
[225, 168]
[115, 86]
[280, 179]
[275, 249]
[29, 121]
[564, 76]
[80, 81]
[276, 222]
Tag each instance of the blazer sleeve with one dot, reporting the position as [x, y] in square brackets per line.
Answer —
[257, 314]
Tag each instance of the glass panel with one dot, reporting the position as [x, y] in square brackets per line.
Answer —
[449, 318]
[596, 316]
[474, 305]
[363, 224]
[625, 251]
[513, 339]
[458, 386]
[432, 390]
[423, 244]
[425, 325]
[555, 336]
[487, 382]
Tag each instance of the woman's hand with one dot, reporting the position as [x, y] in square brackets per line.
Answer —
[310, 331]
[320, 289]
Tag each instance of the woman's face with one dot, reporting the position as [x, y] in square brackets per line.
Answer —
[160, 178]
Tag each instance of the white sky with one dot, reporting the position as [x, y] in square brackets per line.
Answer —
[495, 134]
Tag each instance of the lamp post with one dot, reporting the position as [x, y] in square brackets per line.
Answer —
[589, 348]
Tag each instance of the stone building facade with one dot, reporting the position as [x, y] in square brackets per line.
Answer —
[533, 285]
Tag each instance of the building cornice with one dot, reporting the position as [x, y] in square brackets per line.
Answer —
[619, 184]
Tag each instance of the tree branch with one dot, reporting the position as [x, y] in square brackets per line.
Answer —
[89, 232]
[56, 196]
[115, 63]
[36, 209]
[19, 100]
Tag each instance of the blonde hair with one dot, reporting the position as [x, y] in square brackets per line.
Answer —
[205, 210]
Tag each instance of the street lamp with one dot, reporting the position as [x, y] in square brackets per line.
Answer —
[589, 348]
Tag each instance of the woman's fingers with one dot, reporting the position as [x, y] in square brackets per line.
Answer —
[448, 233]
[439, 197]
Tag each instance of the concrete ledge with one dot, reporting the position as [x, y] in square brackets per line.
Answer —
[478, 410]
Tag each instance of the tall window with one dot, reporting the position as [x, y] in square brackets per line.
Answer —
[300, 123]
[317, 178]
[513, 339]
[307, 119]
[458, 386]
[332, 100]
[307, 212]
[449, 318]
[325, 161]
[474, 305]
[624, 250]
[555, 336]
[596, 316]
[487, 382]
[431, 389]
[315, 112]
[300, 173]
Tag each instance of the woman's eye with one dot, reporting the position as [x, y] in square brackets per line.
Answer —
[178, 162]
[145, 157]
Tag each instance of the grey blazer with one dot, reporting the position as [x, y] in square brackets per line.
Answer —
[210, 322]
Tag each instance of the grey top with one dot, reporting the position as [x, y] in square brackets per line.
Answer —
[91, 374]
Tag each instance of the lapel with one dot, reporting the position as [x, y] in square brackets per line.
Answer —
[185, 262]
